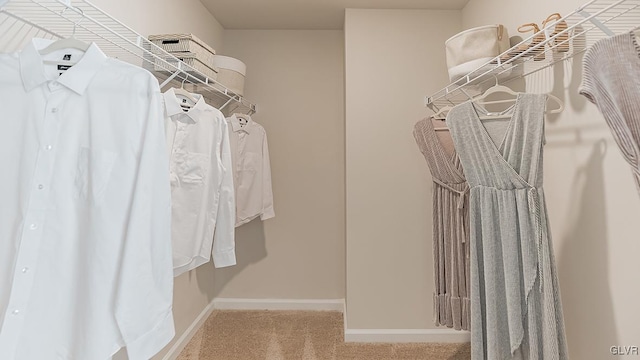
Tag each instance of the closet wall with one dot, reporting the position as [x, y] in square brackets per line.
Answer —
[393, 59]
[297, 80]
[593, 203]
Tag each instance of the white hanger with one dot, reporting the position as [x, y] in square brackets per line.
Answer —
[496, 89]
[187, 95]
[441, 115]
[67, 43]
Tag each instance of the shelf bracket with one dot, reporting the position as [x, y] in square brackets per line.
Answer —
[596, 22]
[173, 76]
[227, 103]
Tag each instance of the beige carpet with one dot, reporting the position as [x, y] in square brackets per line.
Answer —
[298, 335]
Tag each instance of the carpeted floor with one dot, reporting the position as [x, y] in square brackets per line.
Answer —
[298, 335]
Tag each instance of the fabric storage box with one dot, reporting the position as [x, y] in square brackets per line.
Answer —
[184, 43]
[231, 73]
[472, 48]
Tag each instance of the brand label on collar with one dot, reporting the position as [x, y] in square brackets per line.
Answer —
[66, 57]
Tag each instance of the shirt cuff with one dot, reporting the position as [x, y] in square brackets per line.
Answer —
[149, 344]
[267, 214]
[224, 259]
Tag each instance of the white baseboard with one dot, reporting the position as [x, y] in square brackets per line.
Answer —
[406, 336]
[184, 339]
[279, 304]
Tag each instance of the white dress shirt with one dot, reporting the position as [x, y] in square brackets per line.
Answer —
[252, 171]
[85, 248]
[201, 185]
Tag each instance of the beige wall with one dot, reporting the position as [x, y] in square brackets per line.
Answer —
[166, 17]
[593, 205]
[393, 59]
[296, 79]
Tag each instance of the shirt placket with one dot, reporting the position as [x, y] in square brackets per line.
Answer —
[242, 141]
[177, 146]
[32, 234]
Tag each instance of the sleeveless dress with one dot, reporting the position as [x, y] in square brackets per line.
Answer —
[515, 300]
[450, 239]
[614, 87]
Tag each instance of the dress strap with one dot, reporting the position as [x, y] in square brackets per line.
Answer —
[461, 196]
[534, 208]
[462, 193]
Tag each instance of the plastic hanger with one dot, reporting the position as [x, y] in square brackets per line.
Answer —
[67, 43]
[441, 115]
[187, 95]
[497, 89]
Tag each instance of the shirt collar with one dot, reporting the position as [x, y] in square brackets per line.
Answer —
[236, 126]
[173, 106]
[77, 78]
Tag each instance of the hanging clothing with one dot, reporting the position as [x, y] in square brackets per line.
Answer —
[515, 300]
[451, 298]
[85, 247]
[613, 87]
[203, 203]
[252, 170]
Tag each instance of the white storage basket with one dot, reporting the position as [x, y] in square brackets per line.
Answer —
[185, 43]
[231, 73]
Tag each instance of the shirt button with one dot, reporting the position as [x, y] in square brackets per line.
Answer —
[33, 226]
[54, 110]
[25, 270]
[15, 312]
[49, 147]
[40, 186]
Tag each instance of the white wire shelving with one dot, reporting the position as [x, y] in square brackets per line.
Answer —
[21, 20]
[591, 22]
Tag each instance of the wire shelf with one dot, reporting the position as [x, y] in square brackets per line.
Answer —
[589, 23]
[21, 20]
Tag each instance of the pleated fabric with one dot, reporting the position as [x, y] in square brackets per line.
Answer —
[515, 299]
[450, 239]
[611, 80]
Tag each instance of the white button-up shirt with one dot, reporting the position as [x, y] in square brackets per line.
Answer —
[252, 171]
[201, 185]
[85, 248]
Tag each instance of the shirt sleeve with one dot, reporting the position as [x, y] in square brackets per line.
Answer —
[224, 253]
[267, 190]
[144, 293]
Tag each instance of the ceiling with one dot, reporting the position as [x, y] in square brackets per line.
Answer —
[306, 14]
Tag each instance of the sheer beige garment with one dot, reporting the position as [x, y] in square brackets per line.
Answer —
[451, 297]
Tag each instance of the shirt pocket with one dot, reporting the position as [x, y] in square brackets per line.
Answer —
[192, 167]
[250, 162]
[93, 172]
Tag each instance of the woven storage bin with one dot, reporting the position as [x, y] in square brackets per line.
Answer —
[184, 43]
[189, 59]
[231, 73]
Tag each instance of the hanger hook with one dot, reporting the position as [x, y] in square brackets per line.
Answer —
[183, 81]
[76, 23]
[496, 77]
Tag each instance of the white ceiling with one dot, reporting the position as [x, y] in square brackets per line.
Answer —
[306, 14]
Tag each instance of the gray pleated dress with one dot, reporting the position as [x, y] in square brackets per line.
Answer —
[451, 300]
[515, 300]
[614, 87]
